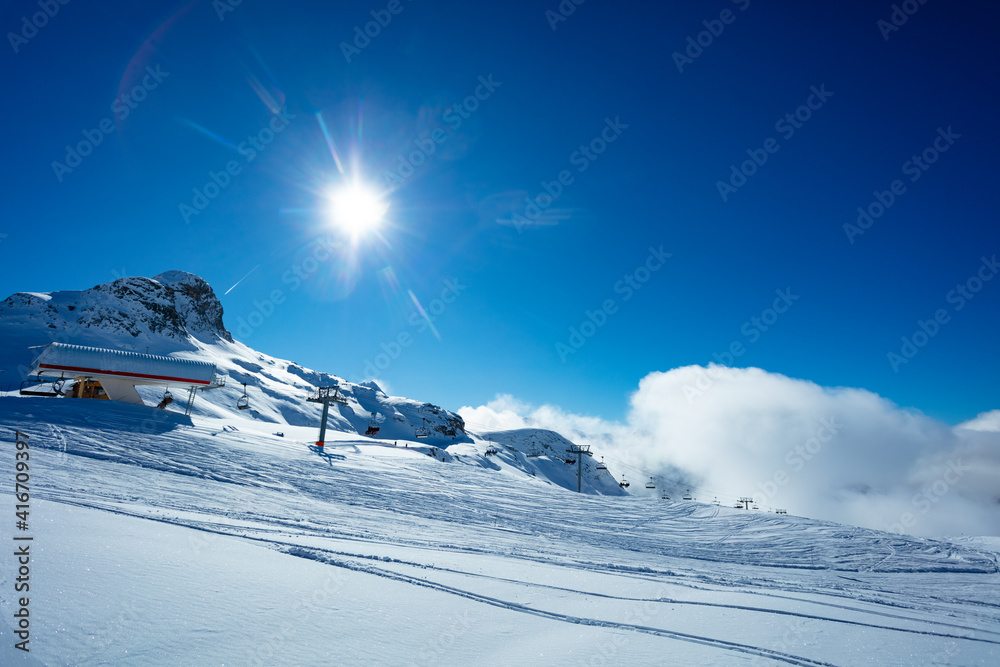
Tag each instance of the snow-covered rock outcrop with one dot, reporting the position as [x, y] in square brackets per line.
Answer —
[133, 313]
[178, 314]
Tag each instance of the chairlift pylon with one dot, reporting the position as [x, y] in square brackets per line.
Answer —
[329, 394]
[243, 402]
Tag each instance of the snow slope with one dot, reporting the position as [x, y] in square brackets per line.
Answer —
[164, 540]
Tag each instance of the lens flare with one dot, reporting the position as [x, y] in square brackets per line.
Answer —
[356, 209]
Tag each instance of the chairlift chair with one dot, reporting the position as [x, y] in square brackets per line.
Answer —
[373, 427]
[687, 496]
[244, 401]
[716, 502]
[167, 399]
[665, 496]
[623, 483]
[34, 387]
[422, 431]
[601, 466]
[650, 484]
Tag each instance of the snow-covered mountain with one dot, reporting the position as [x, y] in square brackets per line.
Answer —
[162, 313]
[177, 314]
[223, 537]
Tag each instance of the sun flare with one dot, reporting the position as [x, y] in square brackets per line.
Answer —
[356, 209]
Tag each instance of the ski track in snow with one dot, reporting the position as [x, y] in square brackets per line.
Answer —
[312, 552]
[707, 641]
[387, 502]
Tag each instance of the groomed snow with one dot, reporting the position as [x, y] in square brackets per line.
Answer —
[166, 540]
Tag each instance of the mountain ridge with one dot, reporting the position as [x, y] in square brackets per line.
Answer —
[177, 314]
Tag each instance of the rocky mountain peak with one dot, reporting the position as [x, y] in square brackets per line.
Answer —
[174, 305]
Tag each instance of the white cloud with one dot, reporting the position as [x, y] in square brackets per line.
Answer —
[842, 454]
[986, 421]
[501, 414]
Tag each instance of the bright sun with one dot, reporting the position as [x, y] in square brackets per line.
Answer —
[356, 209]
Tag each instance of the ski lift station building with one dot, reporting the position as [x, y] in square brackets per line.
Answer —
[114, 374]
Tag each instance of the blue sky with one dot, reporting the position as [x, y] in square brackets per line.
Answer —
[504, 290]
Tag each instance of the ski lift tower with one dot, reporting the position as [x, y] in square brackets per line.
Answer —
[326, 395]
[580, 453]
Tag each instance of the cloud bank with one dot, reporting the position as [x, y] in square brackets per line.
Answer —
[841, 454]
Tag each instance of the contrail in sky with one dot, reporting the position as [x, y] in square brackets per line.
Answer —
[241, 280]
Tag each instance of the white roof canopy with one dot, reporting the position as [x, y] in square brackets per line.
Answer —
[74, 361]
